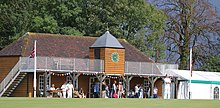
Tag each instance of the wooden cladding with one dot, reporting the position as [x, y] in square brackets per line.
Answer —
[6, 64]
[111, 66]
[25, 88]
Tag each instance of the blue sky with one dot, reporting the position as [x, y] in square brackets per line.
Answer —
[216, 3]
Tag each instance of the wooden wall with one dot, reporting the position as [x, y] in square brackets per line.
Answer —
[110, 66]
[6, 64]
[25, 88]
[58, 81]
[91, 53]
[83, 82]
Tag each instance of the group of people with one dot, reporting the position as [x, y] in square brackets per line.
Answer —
[113, 91]
[109, 91]
[118, 91]
[66, 90]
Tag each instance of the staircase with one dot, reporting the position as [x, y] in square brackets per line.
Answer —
[14, 84]
[9, 79]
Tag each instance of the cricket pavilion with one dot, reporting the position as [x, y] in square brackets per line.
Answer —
[83, 60]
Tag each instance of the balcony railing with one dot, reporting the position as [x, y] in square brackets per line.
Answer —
[92, 65]
[62, 64]
[146, 68]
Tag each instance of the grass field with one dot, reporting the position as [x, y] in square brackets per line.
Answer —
[105, 103]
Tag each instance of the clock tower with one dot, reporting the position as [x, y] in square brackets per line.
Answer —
[108, 48]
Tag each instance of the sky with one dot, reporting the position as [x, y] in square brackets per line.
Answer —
[216, 3]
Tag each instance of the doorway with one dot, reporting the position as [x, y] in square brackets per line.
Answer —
[216, 93]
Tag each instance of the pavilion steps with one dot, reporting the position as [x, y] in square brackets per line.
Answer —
[14, 84]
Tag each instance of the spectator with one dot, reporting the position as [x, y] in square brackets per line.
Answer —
[136, 89]
[120, 90]
[155, 92]
[64, 89]
[167, 82]
[70, 90]
[96, 90]
[103, 89]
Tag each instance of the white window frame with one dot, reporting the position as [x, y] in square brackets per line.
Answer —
[41, 82]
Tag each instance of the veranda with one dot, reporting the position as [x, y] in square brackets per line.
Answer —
[74, 67]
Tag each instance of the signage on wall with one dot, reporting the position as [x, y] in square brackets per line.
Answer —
[115, 57]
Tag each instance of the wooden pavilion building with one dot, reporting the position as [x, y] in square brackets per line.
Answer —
[82, 60]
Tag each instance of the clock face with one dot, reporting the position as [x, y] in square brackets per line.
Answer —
[115, 57]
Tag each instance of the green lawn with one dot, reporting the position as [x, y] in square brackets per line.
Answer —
[105, 103]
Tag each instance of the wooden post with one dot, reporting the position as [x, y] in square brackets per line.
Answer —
[127, 80]
[74, 77]
[152, 81]
[101, 78]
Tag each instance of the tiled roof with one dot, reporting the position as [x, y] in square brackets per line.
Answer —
[56, 45]
[107, 40]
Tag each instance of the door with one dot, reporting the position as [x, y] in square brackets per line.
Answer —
[216, 93]
[91, 86]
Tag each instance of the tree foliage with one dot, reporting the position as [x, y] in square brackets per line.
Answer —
[212, 64]
[15, 19]
[191, 23]
[134, 20]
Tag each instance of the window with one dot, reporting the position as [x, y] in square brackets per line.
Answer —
[41, 82]
[97, 53]
[146, 85]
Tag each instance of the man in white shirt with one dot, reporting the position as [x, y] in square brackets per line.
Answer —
[167, 82]
[70, 90]
[136, 88]
[64, 88]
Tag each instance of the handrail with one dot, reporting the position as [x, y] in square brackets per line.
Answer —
[9, 77]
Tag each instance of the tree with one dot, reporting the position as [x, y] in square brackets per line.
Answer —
[56, 16]
[125, 19]
[134, 20]
[15, 16]
[191, 23]
[212, 64]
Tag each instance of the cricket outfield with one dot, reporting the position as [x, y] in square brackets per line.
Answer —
[16, 102]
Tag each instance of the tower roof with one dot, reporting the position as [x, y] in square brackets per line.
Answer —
[107, 40]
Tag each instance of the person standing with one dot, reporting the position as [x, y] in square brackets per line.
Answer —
[167, 82]
[136, 89]
[120, 90]
[103, 89]
[96, 90]
[155, 92]
[64, 89]
[114, 92]
[70, 90]
[141, 91]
